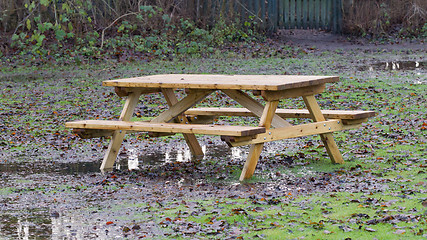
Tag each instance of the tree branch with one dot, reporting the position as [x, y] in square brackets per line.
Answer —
[111, 24]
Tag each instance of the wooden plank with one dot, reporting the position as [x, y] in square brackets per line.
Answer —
[324, 14]
[255, 150]
[225, 130]
[311, 14]
[328, 14]
[286, 14]
[97, 133]
[200, 119]
[124, 91]
[233, 139]
[92, 133]
[159, 134]
[292, 12]
[268, 114]
[299, 15]
[334, 16]
[327, 138]
[190, 139]
[275, 14]
[292, 93]
[238, 82]
[292, 132]
[263, 14]
[190, 100]
[280, 13]
[254, 106]
[304, 14]
[354, 121]
[284, 113]
[117, 138]
[337, 19]
[317, 13]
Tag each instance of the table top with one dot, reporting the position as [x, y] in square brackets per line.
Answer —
[207, 81]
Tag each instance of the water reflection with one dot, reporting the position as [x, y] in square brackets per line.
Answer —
[395, 65]
[45, 226]
[135, 158]
[132, 161]
[34, 225]
[23, 230]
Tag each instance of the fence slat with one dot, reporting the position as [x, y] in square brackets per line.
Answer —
[324, 13]
[338, 16]
[292, 13]
[299, 13]
[280, 13]
[333, 15]
[304, 13]
[286, 13]
[311, 16]
[317, 10]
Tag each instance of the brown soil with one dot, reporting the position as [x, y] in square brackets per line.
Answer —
[322, 40]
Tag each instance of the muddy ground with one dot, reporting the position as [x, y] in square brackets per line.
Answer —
[52, 186]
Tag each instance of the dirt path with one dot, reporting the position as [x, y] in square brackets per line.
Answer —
[322, 40]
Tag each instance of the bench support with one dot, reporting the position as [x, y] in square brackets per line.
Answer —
[327, 138]
[254, 106]
[190, 139]
[301, 130]
[255, 150]
[117, 139]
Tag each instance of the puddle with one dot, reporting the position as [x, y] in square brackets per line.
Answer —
[43, 224]
[39, 167]
[37, 224]
[135, 159]
[398, 65]
[57, 221]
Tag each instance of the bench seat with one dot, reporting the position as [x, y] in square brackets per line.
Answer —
[284, 113]
[238, 131]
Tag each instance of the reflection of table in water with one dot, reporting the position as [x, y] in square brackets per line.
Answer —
[179, 118]
[181, 155]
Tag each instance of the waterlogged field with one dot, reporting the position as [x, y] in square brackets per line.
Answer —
[51, 186]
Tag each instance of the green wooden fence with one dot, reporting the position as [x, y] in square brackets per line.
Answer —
[313, 14]
[277, 14]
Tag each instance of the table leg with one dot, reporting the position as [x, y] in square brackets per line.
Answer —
[117, 138]
[327, 138]
[191, 139]
[255, 150]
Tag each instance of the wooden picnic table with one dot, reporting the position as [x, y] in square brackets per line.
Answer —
[180, 117]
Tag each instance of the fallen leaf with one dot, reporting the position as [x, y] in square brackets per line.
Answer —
[345, 228]
[370, 229]
[400, 231]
